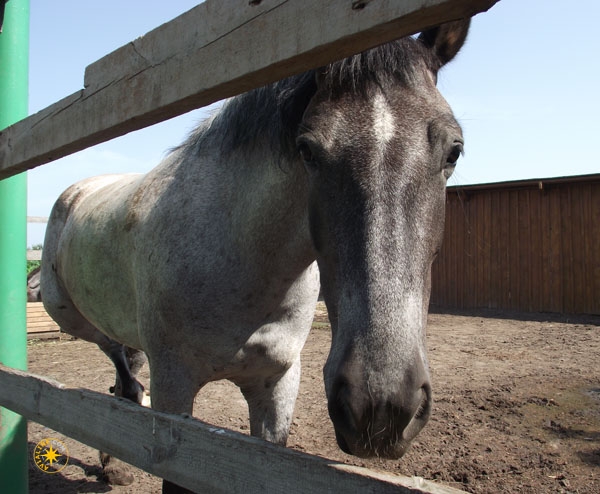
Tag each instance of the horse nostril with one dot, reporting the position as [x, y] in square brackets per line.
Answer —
[346, 409]
[427, 402]
[341, 410]
[422, 411]
[424, 408]
[420, 415]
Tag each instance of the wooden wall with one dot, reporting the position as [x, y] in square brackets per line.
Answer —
[529, 246]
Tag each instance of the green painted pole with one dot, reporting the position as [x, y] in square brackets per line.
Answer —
[14, 98]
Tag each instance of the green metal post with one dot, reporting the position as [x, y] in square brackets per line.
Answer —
[14, 97]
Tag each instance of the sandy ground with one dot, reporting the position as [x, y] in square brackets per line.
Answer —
[517, 407]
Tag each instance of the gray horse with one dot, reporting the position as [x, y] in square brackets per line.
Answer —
[33, 286]
[207, 262]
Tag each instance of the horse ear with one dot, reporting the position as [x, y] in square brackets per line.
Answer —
[446, 40]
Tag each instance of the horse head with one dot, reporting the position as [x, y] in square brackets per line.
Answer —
[379, 142]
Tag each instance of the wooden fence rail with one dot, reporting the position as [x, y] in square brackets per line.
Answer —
[184, 450]
[230, 46]
[35, 254]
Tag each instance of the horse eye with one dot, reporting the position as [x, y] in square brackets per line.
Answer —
[306, 154]
[305, 151]
[452, 158]
[455, 153]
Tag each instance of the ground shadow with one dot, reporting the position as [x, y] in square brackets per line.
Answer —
[590, 457]
[554, 317]
[42, 482]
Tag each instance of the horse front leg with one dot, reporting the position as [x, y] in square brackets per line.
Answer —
[173, 389]
[271, 402]
[128, 362]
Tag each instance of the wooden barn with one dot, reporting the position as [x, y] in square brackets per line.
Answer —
[531, 246]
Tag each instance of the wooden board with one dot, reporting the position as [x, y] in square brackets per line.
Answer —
[38, 320]
[37, 219]
[182, 449]
[34, 255]
[218, 49]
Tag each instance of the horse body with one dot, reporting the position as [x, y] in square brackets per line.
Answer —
[243, 314]
[207, 263]
[86, 261]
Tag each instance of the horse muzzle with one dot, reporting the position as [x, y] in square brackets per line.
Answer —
[371, 424]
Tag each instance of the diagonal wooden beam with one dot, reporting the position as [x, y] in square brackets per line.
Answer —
[191, 453]
[218, 49]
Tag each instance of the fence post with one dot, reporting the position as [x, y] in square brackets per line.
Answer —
[14, 96]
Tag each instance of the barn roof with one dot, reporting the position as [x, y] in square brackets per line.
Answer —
[538, 183]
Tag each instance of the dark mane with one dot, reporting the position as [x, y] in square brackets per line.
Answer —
[274, 112]
[396, 62]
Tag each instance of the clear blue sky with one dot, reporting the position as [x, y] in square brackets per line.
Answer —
[524, 89]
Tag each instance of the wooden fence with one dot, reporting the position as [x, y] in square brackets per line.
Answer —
[196, 455]
[157, 77]
[529, 245]
[35, 254]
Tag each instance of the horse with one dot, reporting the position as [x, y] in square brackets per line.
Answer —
[211, 263]
[33, 286]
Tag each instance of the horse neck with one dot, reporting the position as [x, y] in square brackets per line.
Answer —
[274, 201]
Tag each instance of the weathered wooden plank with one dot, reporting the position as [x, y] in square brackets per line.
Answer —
[34, 316]
[38, 320]
[193, 454]
[37, 315]
[216, 50]
[42, 329]
[53, 334]
[34, 255]
[535, 285]
[37, 219]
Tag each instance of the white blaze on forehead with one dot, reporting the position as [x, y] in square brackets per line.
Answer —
[383, 121]
[336, 129]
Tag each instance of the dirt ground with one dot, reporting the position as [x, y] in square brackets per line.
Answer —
[516, 407]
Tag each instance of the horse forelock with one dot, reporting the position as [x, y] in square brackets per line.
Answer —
[398, 62]
[273, 113]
